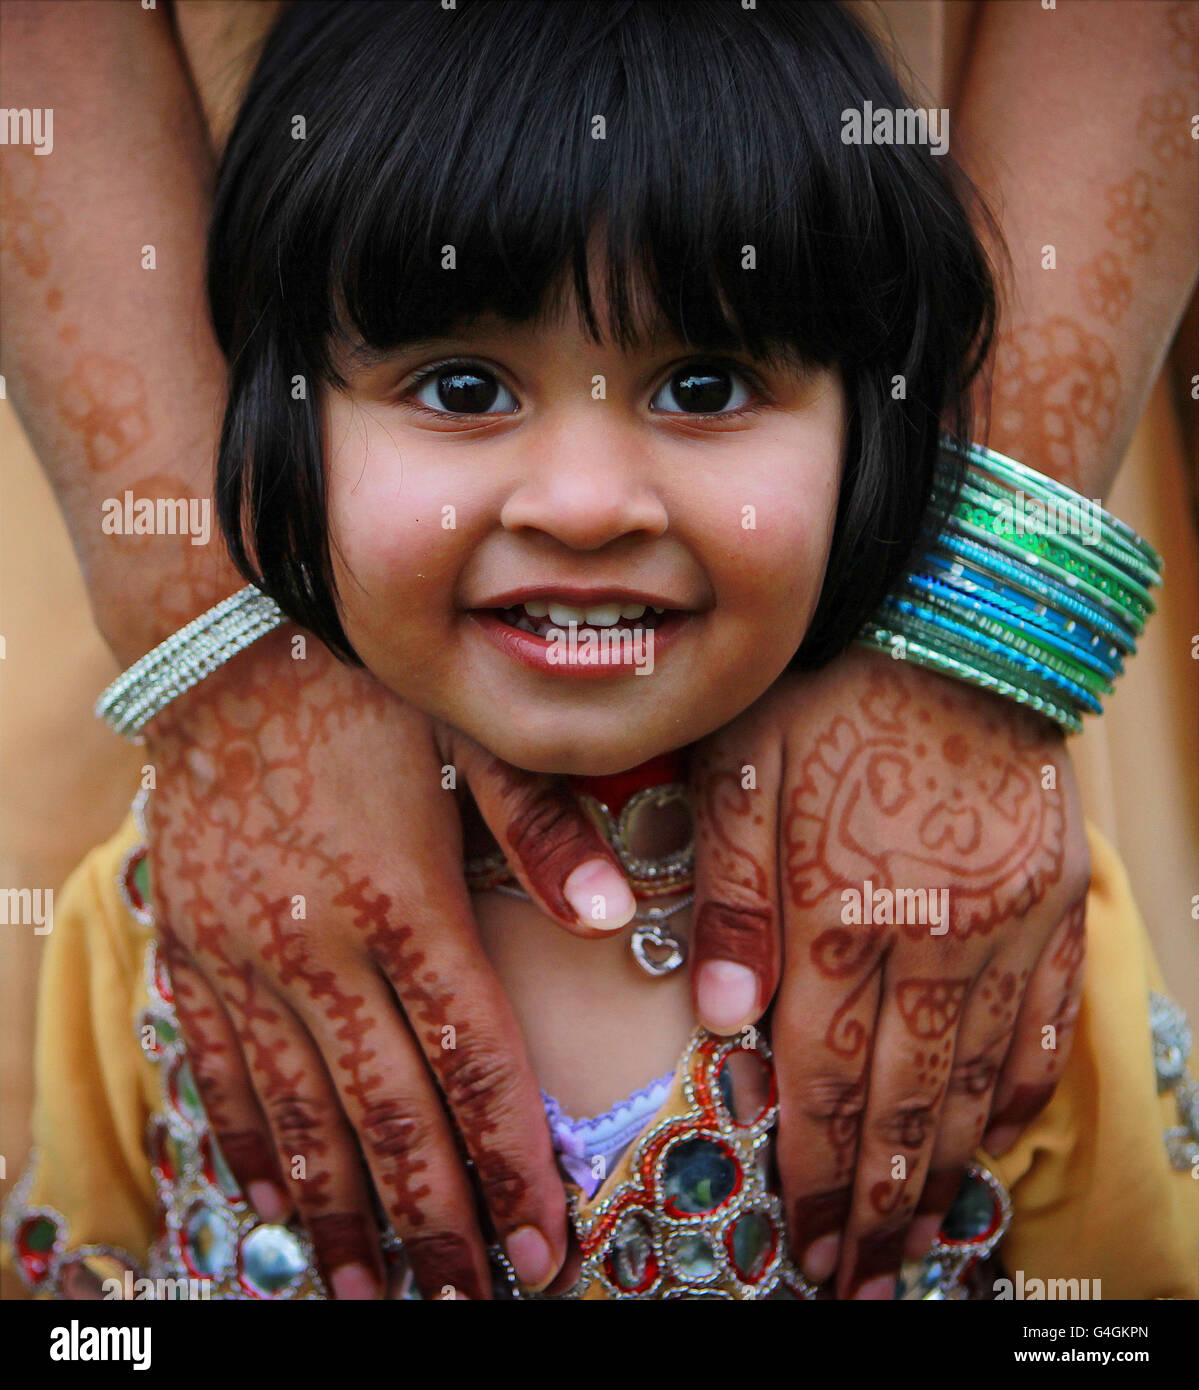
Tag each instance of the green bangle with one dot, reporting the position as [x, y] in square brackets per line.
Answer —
[1126, 562]
[975, 523]
[1059, 551]
[975, 654]
[1046, 487]
[886, 640]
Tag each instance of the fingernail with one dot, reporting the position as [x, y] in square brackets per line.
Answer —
[530, 1256]
[268, 1201]
[877, 1288]
[726, 995]
[821, 1258]
[600, 896]
[998, 1140]
[353, 1282]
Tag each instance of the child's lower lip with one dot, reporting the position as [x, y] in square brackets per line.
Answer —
[533, 651]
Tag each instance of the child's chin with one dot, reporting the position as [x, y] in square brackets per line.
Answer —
[576, 758]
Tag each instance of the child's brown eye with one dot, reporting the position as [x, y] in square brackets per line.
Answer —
[462, 389]
[707, 389]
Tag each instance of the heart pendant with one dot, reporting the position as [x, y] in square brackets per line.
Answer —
[655, 950]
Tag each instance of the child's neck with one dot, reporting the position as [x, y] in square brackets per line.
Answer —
[597, 1026]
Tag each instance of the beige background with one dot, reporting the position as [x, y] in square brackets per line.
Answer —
[65, 781]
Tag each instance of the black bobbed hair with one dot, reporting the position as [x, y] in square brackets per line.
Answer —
[474, 128]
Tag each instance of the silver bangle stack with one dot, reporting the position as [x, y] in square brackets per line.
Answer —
[186, 657]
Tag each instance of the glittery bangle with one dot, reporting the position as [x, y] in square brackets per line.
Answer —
[989, 654]
[1108, 545]
[1035, 550]
[1040, 484]
[1042, 587]
[1001, 627]
[1084, 643]
[874, 634]
[1043, 619]
[1094, 563]
[186, 658]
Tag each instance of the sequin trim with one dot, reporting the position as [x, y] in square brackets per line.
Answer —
[1172, 1040]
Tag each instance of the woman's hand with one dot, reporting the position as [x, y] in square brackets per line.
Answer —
[306, 862]
[869, 789]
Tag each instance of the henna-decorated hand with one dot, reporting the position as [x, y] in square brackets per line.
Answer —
[307, 861]
[897, 1046]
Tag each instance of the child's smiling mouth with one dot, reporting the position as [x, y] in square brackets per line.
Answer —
[581, 632]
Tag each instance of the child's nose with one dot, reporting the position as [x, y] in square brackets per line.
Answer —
[587, 491]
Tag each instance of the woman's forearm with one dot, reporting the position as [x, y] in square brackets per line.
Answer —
[1077, 125]
[107, 351]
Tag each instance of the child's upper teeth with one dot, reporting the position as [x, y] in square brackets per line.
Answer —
[590, 615]
[595, 615]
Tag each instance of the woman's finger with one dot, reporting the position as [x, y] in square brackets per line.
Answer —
[983, 1039]
[823, 1036]
[736, 947]
[1044, 1033]
[465, 1026]
[554, 848]
[909, 1074]
[216, 1060]
[387, 1094]
[320, 1156]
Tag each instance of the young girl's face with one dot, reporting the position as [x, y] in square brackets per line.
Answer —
[533, 469]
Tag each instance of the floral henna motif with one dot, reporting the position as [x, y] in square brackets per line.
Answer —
[105, 401]
[1057, 391]
[1132, 216]
[28, 218]
[930, 1008]
[1105, 287]
[880, 798]
[1163, 122]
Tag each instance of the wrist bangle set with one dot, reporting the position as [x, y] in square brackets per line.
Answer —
[185, 658]
[1033, 612]
[1011, 598]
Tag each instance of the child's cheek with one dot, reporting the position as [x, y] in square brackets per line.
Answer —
[769, 566]
[396, 534]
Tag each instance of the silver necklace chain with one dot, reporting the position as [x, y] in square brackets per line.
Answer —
[655, 948]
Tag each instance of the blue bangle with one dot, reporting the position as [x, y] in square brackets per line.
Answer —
[979, 642]
[1069, 628]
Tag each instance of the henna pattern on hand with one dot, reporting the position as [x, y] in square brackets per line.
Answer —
[878, 799]
[1184, 36]
[930, 1007]
[241, 794]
